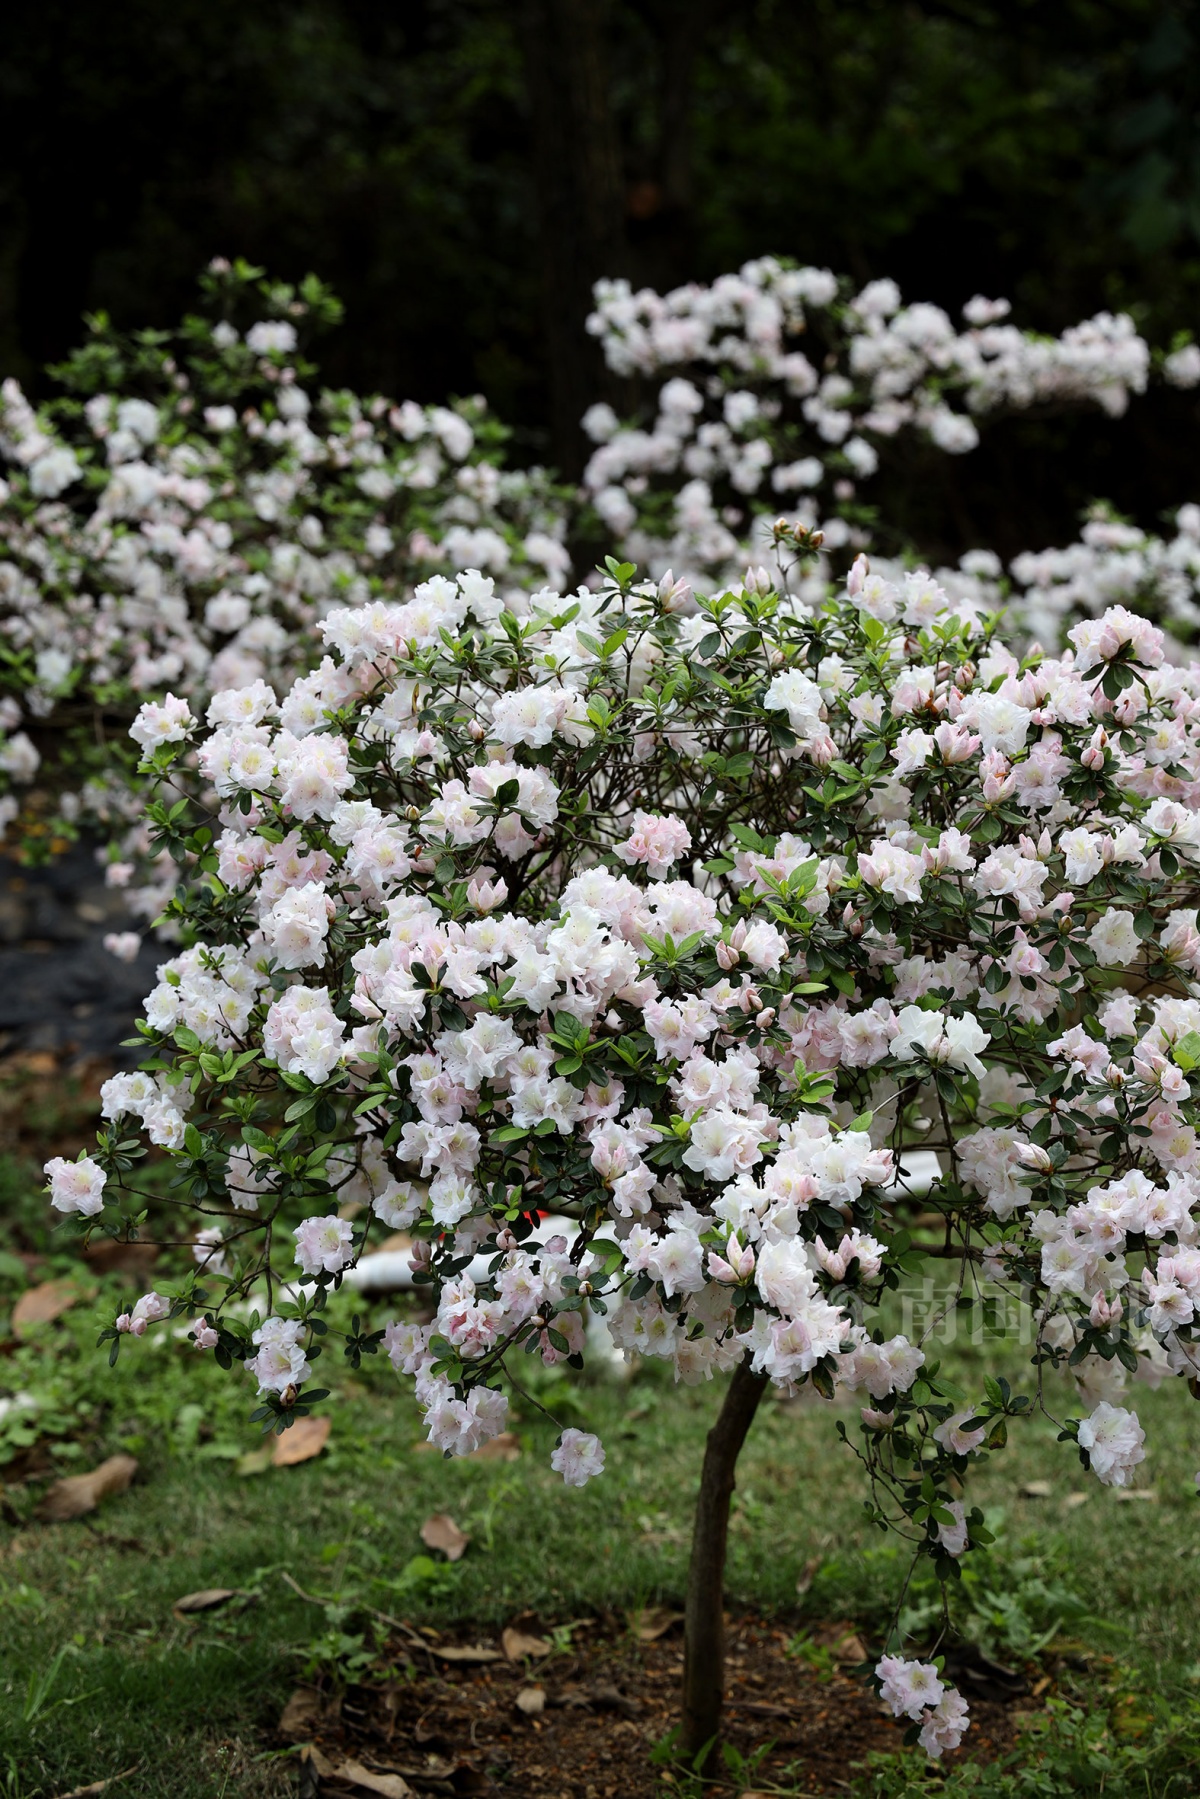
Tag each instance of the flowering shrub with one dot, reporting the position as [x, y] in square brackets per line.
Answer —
[1114, 563]
[679, 919]
[190, 507]
[777, 387]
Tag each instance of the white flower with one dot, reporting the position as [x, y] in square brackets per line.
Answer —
[323, 1245]
[271, 337]
[76, 1186]
[908, 1687]
[579, 1457]
[946, 1040]
[945, 1726]
[792, 692]
[280, 1362]
[170, 722]
[1113, 940]
[124, 945]
[1114, 1441]
[297, 924]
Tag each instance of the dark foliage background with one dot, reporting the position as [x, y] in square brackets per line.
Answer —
[461, 170]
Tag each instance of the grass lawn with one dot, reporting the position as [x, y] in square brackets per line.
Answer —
[98, 1676]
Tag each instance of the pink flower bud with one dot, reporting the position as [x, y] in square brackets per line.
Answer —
[833, 1261]
[1104, 1312]
[674, 595]
[485, 896]
[1093, 755]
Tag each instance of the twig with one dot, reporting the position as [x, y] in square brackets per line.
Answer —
[413, 1636]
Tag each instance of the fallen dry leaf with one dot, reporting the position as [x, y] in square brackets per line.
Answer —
[79, 1494]
[206, 1600]
[305, 1439]
[457, 1653]
[97, 1786]
[807, 1575]
[504, 1448]
[516, 1644]
[312, 1756]
[255, 1461]
[654, 1622]
[301, 1715]
[121, 1258]
[392, 1786]
[439, 1531]
[849, 1650]
[1075, 1499]
[1146, 1493]
[42, 1305]
[532, 1701]
[1035, 1489]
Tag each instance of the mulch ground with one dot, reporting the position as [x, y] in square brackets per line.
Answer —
[580, 1722]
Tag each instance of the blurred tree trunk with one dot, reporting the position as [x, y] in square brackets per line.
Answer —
[580, 196]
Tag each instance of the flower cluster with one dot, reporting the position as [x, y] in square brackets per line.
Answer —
[780, 388]
[915, 1690]
[1114, 563]
[192, 506]
[616, 945]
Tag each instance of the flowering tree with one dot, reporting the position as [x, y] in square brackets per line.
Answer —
[189, 507]
[780, 386]
[679, 919]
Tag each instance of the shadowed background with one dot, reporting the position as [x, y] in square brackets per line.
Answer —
[462, 170]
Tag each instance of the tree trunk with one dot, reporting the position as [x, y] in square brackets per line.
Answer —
[577, 176]
[704, 1623]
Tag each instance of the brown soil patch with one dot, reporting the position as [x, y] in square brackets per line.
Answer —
[456, 1727]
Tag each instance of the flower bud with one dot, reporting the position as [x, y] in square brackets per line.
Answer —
[1104, 1311]
[485, 896]
[860, 568]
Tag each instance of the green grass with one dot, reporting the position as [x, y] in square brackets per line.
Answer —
[186, 1705]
